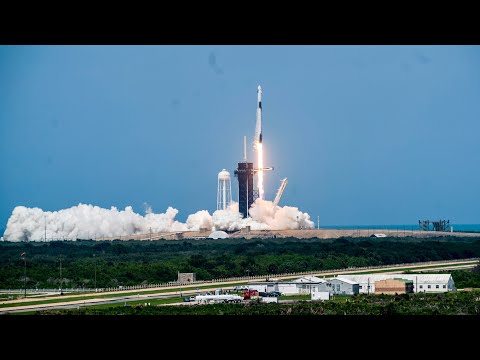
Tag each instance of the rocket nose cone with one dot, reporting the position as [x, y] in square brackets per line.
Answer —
[259, 88]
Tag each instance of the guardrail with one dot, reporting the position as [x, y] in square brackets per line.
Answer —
[237, 278]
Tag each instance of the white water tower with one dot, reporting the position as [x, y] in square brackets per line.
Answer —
[224, 193]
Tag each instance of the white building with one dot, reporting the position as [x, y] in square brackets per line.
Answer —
[340, 286]
[303, 285]
[430, 283]
[263, 286]
[218, 235]
[307, 285]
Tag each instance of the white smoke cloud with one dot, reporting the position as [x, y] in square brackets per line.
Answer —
[199, 221]
[278, 217]
[229, 219]
[148, 208]
[88, 221]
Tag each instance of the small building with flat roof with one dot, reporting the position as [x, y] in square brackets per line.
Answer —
[307, 285]
[430, 283]
[337, 286]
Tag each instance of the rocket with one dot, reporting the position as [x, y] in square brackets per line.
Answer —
[258, 126]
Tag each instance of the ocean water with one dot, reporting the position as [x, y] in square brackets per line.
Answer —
[456, 227]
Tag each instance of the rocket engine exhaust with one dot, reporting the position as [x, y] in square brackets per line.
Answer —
[261, 190]
[258, 146]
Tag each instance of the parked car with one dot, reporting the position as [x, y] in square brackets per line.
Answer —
[275, 294]
[189, 298]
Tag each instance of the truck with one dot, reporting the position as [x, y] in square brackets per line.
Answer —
[249, 294]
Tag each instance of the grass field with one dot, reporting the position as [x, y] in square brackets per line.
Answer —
[153, 302]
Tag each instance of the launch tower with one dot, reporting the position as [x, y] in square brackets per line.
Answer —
[244, 173]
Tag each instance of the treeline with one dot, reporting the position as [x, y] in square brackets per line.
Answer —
[455, 303]
[466, 278]
[135, 262]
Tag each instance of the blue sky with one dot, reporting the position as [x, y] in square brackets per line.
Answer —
[364, 134]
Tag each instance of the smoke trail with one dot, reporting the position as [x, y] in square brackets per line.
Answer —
[92, 222]
[260, 172]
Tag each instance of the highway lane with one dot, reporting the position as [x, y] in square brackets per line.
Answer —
[94, 302]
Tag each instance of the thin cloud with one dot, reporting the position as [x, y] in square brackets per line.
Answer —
[422, 58]
[212, 61]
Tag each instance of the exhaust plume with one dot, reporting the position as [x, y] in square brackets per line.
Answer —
[91, 222]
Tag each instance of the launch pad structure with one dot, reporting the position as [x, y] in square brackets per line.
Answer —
[245, 172]
[440, 225]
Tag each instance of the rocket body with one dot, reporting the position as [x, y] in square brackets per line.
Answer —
[258, 126]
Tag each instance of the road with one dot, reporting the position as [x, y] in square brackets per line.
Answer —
[134, 295]
[90, 302]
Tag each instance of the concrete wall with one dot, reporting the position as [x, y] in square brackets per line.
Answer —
[186, 277]
[392, 286]
[288, 288]
[320, 295]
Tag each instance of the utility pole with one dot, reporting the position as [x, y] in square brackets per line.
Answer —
[24, 256]
[61, 289]
[150, 234]
[45, 228]
[95, 279]
[318, 221]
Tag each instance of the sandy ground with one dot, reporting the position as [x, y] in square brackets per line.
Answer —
[300, 234]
